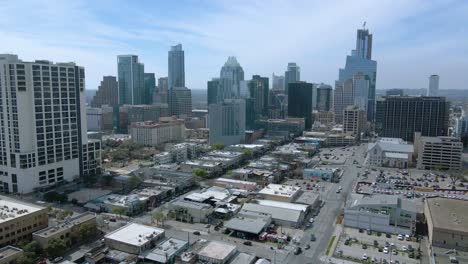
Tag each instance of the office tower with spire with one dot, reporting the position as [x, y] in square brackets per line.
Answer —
[433, 85]
[131, 75]
[292, 74]
[107, 93]
[43, 137]
[176, 67]
[359, 66]
[231, 76]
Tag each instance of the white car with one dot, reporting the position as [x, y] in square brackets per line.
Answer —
[400, 237]
[404, 248]
[385, 250]
[364, 257]
[311, 220]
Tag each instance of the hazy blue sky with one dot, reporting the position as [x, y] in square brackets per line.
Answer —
[412, 38]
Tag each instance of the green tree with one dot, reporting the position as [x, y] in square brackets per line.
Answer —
[55, 248]
[118, 210]
[159, 216]
[218, 146]
[83, 234]
[247, 154]
[106, 180]
[133, 182]
[201, 173]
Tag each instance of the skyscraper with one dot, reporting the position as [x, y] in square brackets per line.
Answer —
[176, 67]
[324, 97]
[180, 101]
[231, 75]
[343, 97]
[259, 92]
[227, 122]
[150, 87]
[213, 91]
[354, 120]
[161, 93]
[401, 116]
[107, 93]
[277, 82]
[131, 74]
[361, 90]
[360, 61]
[43, 126]
[300, 101]
[433, 85]
[292, 74]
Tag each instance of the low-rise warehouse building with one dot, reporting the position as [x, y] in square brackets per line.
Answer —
[134, 238]
[166, 251]
[249, 224]
[235, 184]
[282, 213]
[10, 255]
[68, 230]
[383, 213]
[324, 174]
[217, 253]
[188, 211]
[278, 192]
[447, 222]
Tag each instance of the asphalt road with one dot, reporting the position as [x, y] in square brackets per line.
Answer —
[324, 225]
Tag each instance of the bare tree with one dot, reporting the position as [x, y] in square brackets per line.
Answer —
[454, 177]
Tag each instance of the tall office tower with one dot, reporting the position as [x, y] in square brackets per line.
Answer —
[131, 74]
[176, 67]
[162, 91]
[402, 116]
[262, 89]
[107, 93]
[394, 92]
[43, 137]
[361, 61]
[180, 101]
[433, 85]
[354, 120]
[213, 91]
[277, 82]
[278, 105]
[343, 97]
[227, 122]
[300, 101]
[150, 87]
[361, 90]
[324, 97]
[292, 74]
[231, 75]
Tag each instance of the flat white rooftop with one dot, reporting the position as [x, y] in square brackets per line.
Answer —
[226, 180]
[11, 209]
[280, 190]
[217, 250]
[135, 234]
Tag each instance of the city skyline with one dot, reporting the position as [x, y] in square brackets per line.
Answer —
[400, 45]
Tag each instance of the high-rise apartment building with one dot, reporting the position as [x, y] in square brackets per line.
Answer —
[324, 97]
[176, 67]
[354, 121]
[43, 137]
[227, 122]
[107, 93]
[180, 101]
[259, 88]
[300, 101]
[131, 75]
[433, 85]
[402, 116]
[292, 74]
[150, 87]
[277, 82]
[360, 62]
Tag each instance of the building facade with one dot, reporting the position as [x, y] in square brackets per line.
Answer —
[227, 122]
[324, 98]
[433, 85]
[150, 87]
[150, 133]
[180, 102]
[300, 101]
[176, 67]
[291, 75]
[107, 93]
[43, 123]
[131, 80]
[354, 121]
[439, 153]
[402, 116]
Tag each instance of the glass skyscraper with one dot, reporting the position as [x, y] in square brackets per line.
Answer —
[150, 86]
[361, 62]
[176, 67]
[292, 74]
[131, 74]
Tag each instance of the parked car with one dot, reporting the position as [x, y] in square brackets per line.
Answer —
[297, 251]
[247, 243]
[197, 233]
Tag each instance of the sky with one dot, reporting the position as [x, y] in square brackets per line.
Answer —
[412, 39]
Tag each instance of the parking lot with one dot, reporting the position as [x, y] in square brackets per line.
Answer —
[310, 185]
[334, 155]
[367, 248]
[410, 183]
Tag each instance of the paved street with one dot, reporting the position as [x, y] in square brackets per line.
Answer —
[324, 225]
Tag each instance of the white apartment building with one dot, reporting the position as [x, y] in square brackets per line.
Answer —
[43, 139]
[151, 133]
[354, 120]
[439, 153]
